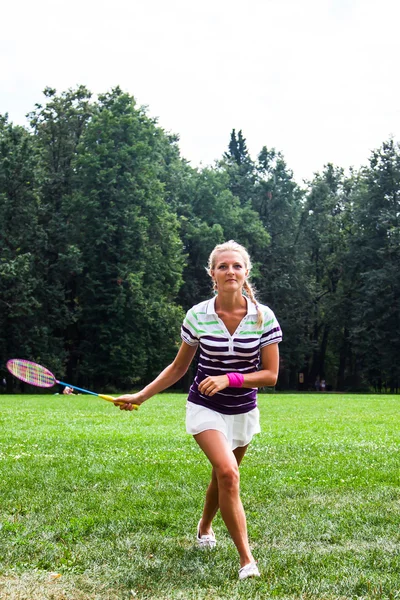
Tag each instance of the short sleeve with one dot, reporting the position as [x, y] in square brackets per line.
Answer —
[272, 333]
[189, 332]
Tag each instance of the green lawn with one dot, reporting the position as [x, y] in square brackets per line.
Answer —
[97, 503]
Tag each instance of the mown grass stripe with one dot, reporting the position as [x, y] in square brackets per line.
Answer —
[110, 500]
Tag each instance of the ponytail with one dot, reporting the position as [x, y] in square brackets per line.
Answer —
[250, 293]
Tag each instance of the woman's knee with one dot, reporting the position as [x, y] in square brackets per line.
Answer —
[228, 476]
[214, 478]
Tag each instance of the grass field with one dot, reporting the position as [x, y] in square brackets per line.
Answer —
[101, 504]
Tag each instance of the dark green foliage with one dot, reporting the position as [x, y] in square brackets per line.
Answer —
[130, 248]
[240, 168]
[21, 237]
[376, 250]
[283, 283]
[325, 243]
[91, 256]
[57, 127]
[105, 234]
[211, 216]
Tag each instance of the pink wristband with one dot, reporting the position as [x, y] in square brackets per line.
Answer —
[235, 379]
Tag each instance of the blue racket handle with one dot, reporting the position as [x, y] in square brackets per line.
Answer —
[109, 398]
[74, 387]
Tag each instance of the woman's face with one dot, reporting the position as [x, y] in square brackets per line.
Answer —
[229, 272]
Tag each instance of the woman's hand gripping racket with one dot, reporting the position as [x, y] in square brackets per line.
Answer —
[35, 374]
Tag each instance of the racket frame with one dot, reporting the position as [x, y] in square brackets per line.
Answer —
[55, 381]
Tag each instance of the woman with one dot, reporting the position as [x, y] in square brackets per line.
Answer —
[238, 341]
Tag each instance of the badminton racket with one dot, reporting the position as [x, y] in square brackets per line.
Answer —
[37, 375]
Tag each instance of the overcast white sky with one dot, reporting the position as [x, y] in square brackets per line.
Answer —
[316, 79]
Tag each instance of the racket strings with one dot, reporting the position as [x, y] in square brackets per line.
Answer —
[32, 373]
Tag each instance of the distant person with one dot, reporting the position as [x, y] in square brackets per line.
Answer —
[317, 385]
[68, 390]
[238, 340]
[323, 385]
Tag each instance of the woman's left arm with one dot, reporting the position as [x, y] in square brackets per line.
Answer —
[267, 376]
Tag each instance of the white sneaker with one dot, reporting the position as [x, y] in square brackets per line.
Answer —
[250, 570]
[205, 541]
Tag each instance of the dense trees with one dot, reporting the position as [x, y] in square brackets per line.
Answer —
[105, 233]
[376, 263]
[22, 330]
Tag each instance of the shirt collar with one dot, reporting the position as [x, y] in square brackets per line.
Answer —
[251, 308]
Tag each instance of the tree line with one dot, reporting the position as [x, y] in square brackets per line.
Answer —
[105, 233]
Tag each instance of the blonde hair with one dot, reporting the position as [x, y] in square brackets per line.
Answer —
[233, 246]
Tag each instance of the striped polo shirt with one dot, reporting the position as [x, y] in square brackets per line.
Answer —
[221, 352]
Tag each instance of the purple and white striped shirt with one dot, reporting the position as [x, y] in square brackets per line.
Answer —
[221, 352]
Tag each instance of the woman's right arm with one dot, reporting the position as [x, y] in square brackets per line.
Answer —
[170, 375]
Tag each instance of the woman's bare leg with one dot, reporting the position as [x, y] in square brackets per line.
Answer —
[211, 504]
[223, 491]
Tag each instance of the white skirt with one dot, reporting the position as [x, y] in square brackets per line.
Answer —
[238, 429]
